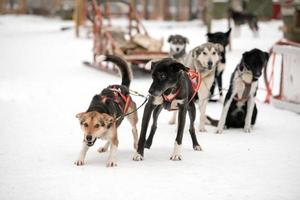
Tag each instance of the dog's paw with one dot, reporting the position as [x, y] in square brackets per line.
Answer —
[102, 149]
[171, 122]
[111, 163]
[219, 131]
[175, 157]
[137, 157]
[79, 162]
[197, 148]
[247, 129]
[202, 129]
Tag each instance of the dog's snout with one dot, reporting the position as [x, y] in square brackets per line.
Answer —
[89, 138]
[257, 74]
[151, 90]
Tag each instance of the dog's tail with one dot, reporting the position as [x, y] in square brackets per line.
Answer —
[211, 121]
[125, 70]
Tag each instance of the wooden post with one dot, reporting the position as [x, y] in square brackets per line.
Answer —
[209, 13]
[79, 15]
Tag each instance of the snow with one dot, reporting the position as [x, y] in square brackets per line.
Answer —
[43, 84]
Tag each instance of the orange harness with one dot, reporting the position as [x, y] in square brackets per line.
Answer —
[117, 93]
[195, 78]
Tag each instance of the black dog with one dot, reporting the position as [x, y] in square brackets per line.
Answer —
[240, 18]
[239, 107]
[223, 39]
[171, 88]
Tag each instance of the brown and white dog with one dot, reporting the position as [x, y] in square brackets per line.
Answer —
[204, 59]
[105, 114]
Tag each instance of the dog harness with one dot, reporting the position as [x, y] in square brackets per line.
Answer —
[246, 93]
[117, 94]
[247, 89]
[195, 78]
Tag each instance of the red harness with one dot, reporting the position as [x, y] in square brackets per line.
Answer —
[195, 78]
[117, 93]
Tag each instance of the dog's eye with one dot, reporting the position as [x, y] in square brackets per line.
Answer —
[204, 53]
[162, 76]
[214, 53]
[97, 125]
[85, 125]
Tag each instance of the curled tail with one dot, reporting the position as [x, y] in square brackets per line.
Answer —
[125, 70]
[211, 121]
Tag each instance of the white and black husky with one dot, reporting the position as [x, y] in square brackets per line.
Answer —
[177, 47]
[239, 108]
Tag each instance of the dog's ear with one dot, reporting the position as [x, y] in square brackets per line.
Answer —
[79, 115]
[170, 38]
[186, 40]
[209, 35]
[177, 66]
[108, 120]
[228, 32]
[266, 54]
[197, 51]
[219, 48]
[150, 65]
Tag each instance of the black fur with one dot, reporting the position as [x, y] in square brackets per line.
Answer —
[223, 39]
[105, 102]
[168, 75]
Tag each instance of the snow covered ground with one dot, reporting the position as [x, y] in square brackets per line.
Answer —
[43, 85]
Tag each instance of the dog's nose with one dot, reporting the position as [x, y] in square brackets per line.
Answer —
[257, 74]
[89, 137]
[177, 49]
[209, 63]
[151, 90]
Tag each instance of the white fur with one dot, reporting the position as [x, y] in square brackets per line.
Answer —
[104, 148]
[176, 155]
[82, 154]
[148, 65]
[100, 58]
[137, 157]
[174, 47]
[158, 100]
[111, 162]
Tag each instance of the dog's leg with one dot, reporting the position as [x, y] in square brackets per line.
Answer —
[81, 157]
[133, 120]
[224, 114]
[250, 107]
[104, 148]
[156, 112]
[212, 89]
[203, 93]
[220, 85]
[112, 162]
[138, 156]
[173, 118]
[176, 155]
[192, 115]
